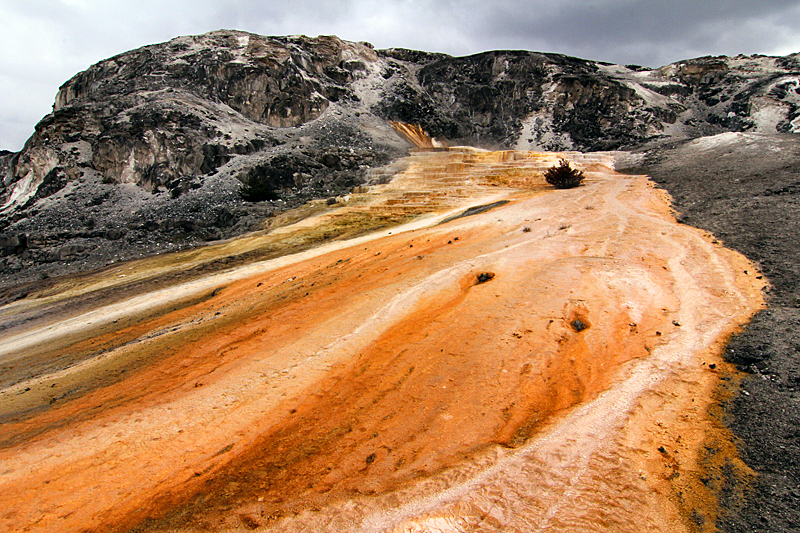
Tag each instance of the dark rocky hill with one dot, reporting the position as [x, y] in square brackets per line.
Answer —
[202, 137]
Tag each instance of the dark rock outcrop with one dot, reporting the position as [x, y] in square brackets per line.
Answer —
[485, 100]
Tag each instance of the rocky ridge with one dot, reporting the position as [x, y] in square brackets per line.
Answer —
[202, 138]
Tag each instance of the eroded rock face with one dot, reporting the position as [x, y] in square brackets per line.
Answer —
[485, 100]
[149, 150]
[188, 106]
[264, 79]
[742, 93]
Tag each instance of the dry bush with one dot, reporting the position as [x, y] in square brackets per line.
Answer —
[563, 176]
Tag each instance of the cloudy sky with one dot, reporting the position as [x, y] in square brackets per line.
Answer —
[45, 42]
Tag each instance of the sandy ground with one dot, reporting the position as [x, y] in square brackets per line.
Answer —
[545, 365]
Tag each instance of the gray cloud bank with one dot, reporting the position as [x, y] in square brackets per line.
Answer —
[45, 42]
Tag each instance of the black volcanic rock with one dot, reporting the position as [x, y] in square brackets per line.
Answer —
[150, 150]
[485, 99]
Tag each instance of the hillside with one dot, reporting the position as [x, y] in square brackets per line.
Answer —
[232, 299]
[146, 152]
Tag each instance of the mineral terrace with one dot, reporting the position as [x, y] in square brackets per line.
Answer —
[543, 363]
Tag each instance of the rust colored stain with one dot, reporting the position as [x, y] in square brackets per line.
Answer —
[390, 383]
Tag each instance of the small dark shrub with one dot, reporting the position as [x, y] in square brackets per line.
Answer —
[563, 176]
[263, 181]
[257, 190]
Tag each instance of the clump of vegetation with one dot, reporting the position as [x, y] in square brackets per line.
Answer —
[257, 190]
[263, 181]
[563, 176]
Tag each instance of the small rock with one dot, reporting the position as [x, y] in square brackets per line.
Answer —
[578, 325]
[483, 277]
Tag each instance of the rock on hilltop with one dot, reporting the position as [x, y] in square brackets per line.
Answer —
[148, 151]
